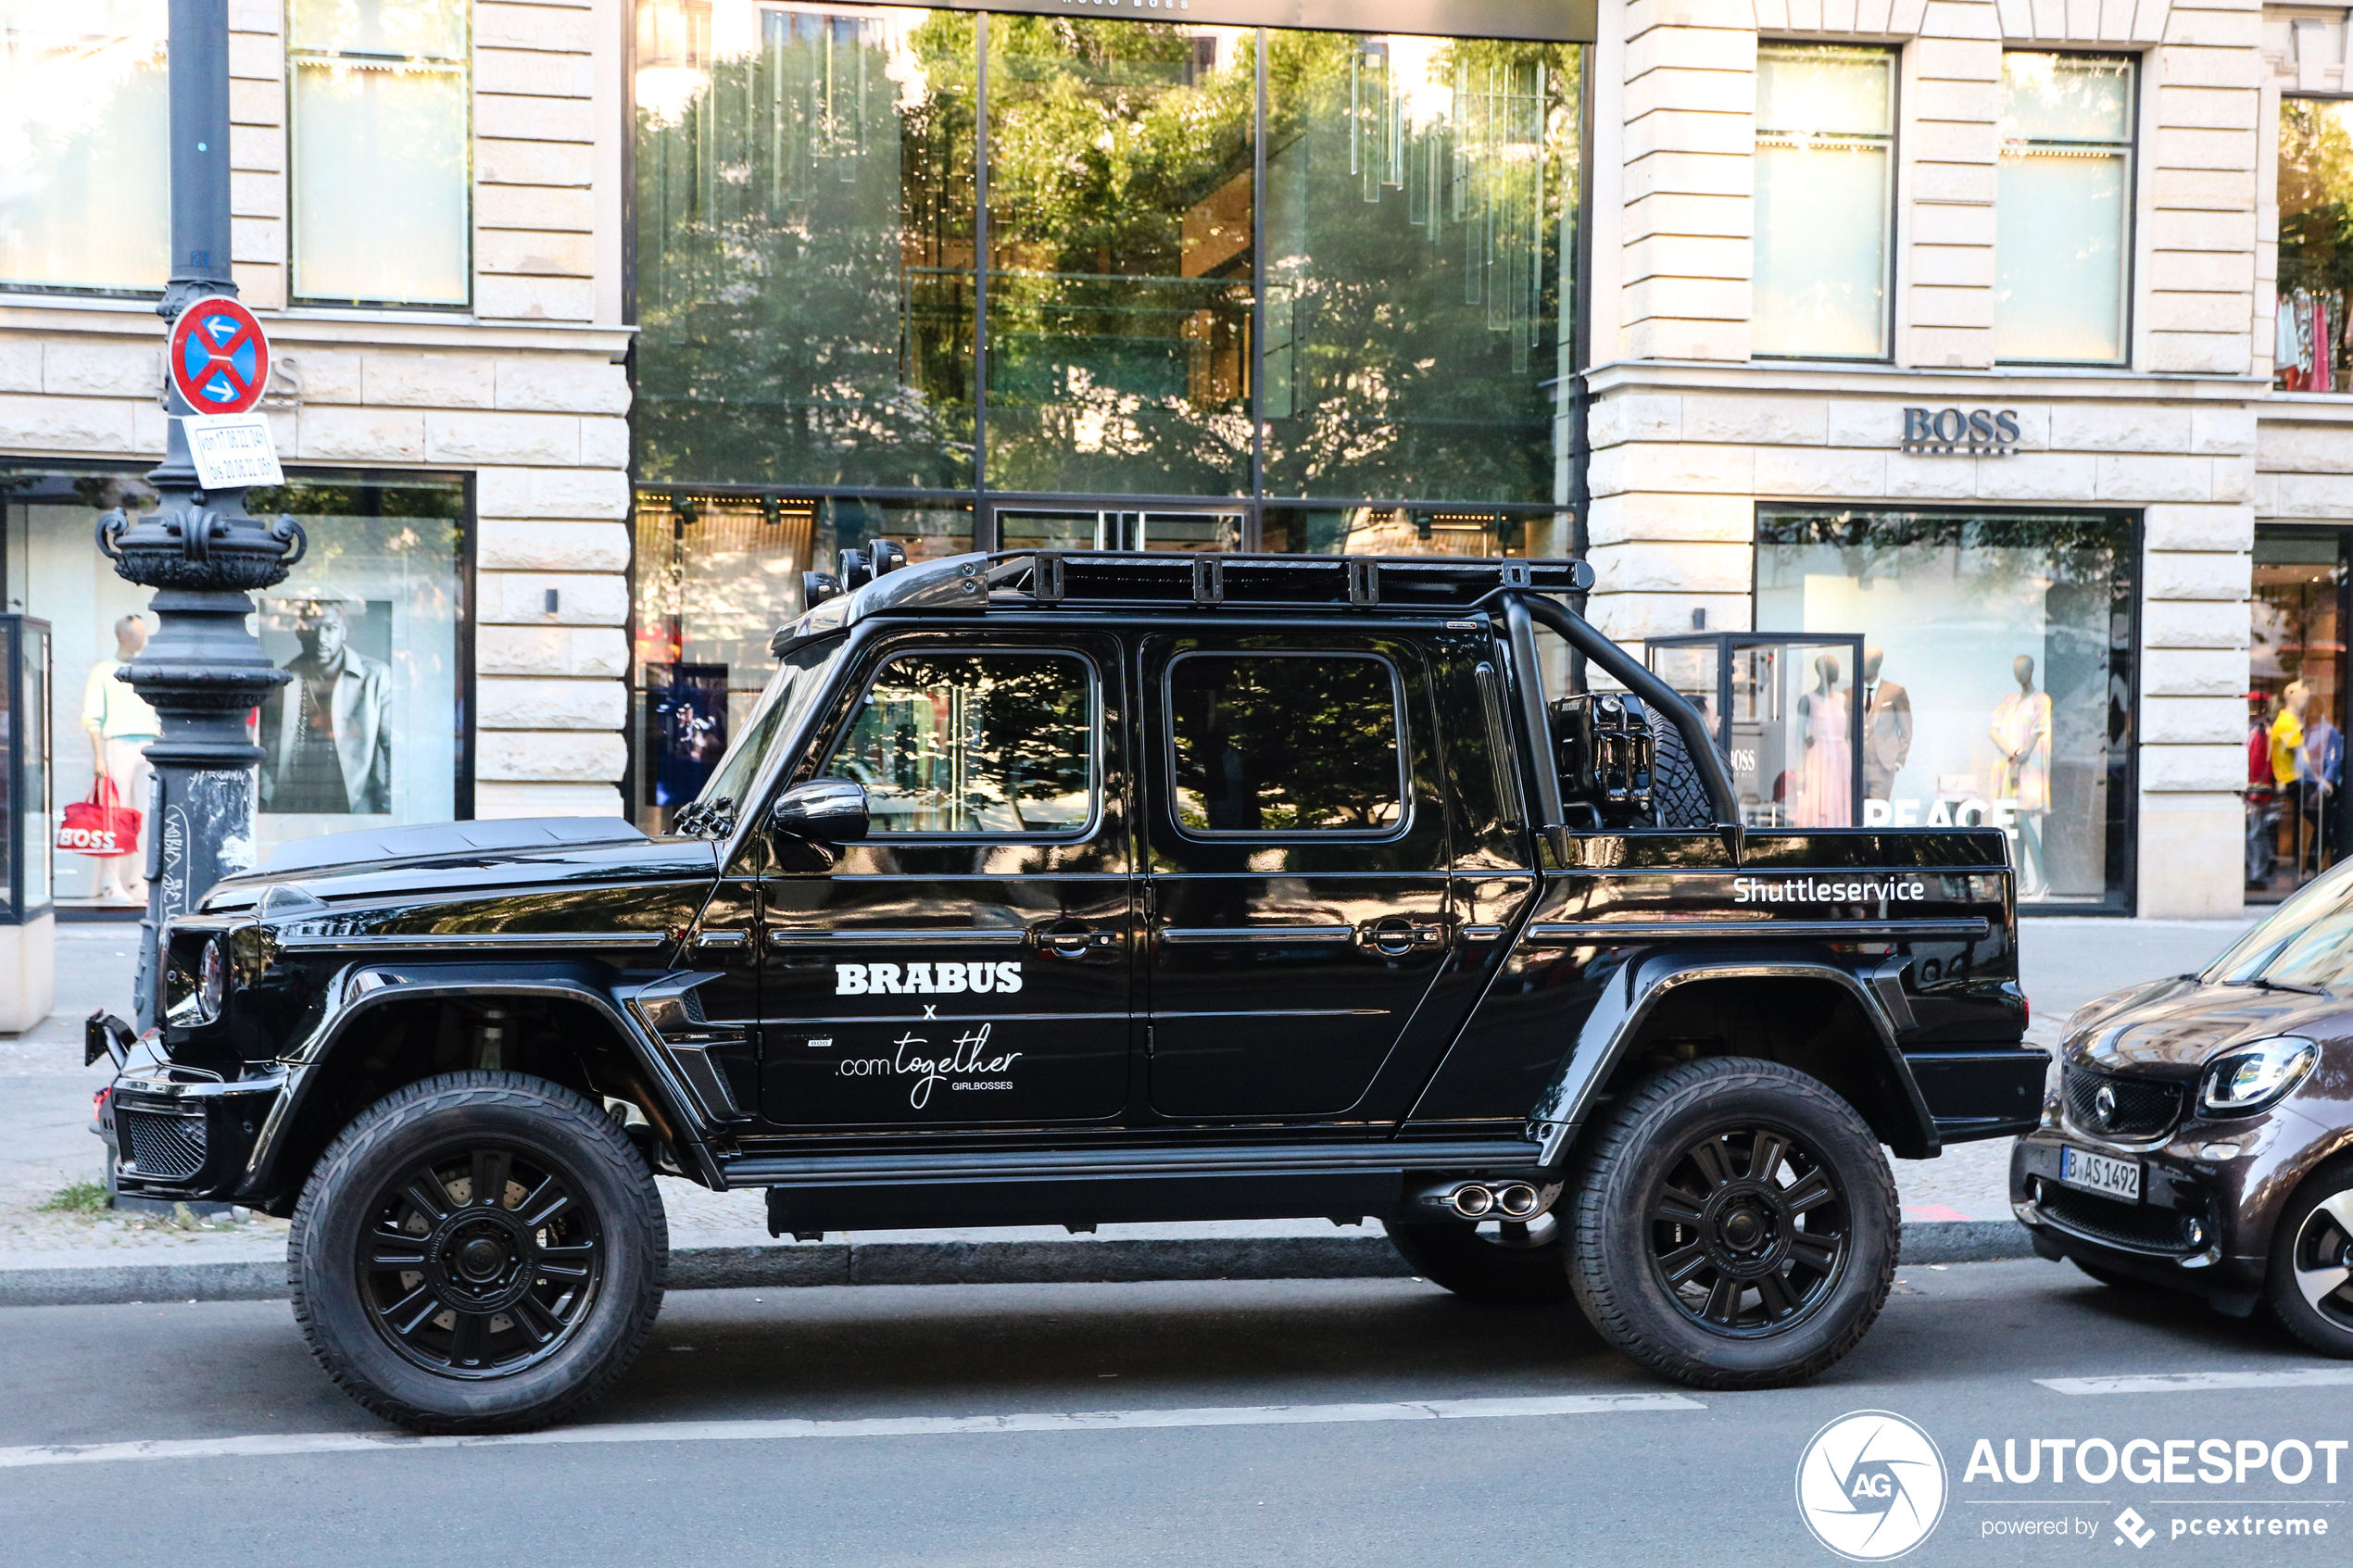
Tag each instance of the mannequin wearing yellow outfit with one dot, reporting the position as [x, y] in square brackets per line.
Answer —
[2022, 733]
[121, 726]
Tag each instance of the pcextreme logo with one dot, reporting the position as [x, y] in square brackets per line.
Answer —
[1870, 1486]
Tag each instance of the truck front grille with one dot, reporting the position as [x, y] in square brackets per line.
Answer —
[162, 1145]
[2137, 1107]
[2132, 1225]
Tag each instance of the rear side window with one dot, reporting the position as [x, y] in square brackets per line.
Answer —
[1286, 743]
[975, 743]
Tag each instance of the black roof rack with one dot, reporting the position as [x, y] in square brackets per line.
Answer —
[1168, 577]
[1131, 579]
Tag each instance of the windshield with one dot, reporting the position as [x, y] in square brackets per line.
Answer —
[2308, 944]
[798, 679]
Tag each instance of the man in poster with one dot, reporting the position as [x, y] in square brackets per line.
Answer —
[328, 748]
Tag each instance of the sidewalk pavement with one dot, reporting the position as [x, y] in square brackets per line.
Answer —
[1956, 1207]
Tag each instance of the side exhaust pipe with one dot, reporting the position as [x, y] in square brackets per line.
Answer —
[1514, 1200]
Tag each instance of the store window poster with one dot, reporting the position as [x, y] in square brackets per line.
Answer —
[326, 735]
[686, 729]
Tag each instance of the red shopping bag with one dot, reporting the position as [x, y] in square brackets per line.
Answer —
[101, 825]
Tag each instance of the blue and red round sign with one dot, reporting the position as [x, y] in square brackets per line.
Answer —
[220, 358]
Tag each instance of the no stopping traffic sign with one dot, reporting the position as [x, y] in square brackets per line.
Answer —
[220, 358]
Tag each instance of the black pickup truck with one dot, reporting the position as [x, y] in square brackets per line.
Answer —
[1060, 888]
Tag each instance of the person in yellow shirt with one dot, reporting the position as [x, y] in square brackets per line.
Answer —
[121, 726]
[2293, 775]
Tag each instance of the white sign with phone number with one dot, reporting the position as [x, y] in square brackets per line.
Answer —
[232, 450]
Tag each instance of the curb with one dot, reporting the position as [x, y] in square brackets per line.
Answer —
[1114, 1261]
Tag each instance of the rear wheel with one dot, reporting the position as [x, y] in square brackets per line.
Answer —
[1494, 1261]
[2311, 1287]
[1735, 1226]
[478, 1252]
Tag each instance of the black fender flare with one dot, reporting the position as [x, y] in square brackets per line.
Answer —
[1646, 978]
[360, 989]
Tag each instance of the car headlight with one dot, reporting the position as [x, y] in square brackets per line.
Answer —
[2249, 1078]
[196, 984]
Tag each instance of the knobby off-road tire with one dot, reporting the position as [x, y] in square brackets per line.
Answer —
[2310, 1284]
[1678, 799]
[478, 1252]
[1526, 1264]
[1735, 1225]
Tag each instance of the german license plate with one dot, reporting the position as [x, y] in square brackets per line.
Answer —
[2103, 1174]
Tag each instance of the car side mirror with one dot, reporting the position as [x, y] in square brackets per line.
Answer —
[826, 812]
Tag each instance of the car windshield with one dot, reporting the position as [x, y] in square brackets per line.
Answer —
[798, 678]
[2307, 946]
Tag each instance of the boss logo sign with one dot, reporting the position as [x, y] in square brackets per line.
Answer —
[1957, 432]
[923, 979]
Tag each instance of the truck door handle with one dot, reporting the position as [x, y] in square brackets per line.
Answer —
[1396, 936]
[1074, 944]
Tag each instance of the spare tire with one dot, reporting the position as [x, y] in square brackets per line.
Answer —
[1679, 799]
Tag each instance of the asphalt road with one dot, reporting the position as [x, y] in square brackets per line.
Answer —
[1349, 1470]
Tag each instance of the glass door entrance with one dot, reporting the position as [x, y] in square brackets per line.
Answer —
[2296, 701]
[1043, 529]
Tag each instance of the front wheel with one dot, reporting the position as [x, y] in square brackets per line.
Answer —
[478, 1252]
[2310, 1289]
[1736, 1225]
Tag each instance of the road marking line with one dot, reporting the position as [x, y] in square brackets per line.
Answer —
[2196, 1382]
[879, 1426]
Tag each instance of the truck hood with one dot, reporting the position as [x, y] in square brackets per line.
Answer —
[2173, 1028]
[511, 855]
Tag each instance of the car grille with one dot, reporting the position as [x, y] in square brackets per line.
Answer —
[2142, 1108]
[2127, 1225]
[163, 1145]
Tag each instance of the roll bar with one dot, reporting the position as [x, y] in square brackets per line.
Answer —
[1520, 607]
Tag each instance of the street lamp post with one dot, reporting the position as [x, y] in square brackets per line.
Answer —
[203, 671]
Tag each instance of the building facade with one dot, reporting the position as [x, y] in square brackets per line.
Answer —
[428, 217]
[1961, 385]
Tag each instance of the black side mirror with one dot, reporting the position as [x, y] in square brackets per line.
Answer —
[826, 812]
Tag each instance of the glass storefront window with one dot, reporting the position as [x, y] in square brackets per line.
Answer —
[2313, 348]
[1782, 708]
[1419, 204]
[805, 243]
[717, 576]
[1825, 172]
[2063, 208]
[806, 278]
[1413, 531]
[1996, 674]
[371, 732]
[1119, 281]
[83, 172]
[2295, 822]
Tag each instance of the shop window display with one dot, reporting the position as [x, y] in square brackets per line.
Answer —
[369, 732]
[1996, 676]
[716, 574]
[2296, 825]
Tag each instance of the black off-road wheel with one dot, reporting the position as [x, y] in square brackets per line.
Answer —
[1497, 1261]
[478, 1252]
[2310, 1286]
[1678, 798]
[1735, 1226]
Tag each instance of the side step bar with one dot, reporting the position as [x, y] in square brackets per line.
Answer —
[1085, 1188]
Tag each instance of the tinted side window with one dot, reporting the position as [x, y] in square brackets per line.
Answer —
[975, 743]
[1285, 743]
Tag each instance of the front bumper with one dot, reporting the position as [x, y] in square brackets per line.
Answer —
[190, 1140]
[2192, 1230]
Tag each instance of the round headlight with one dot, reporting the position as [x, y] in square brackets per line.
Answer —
[2250, 1077]
[212, 979]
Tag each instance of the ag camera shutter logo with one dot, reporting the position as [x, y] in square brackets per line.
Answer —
[1870, 1486]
